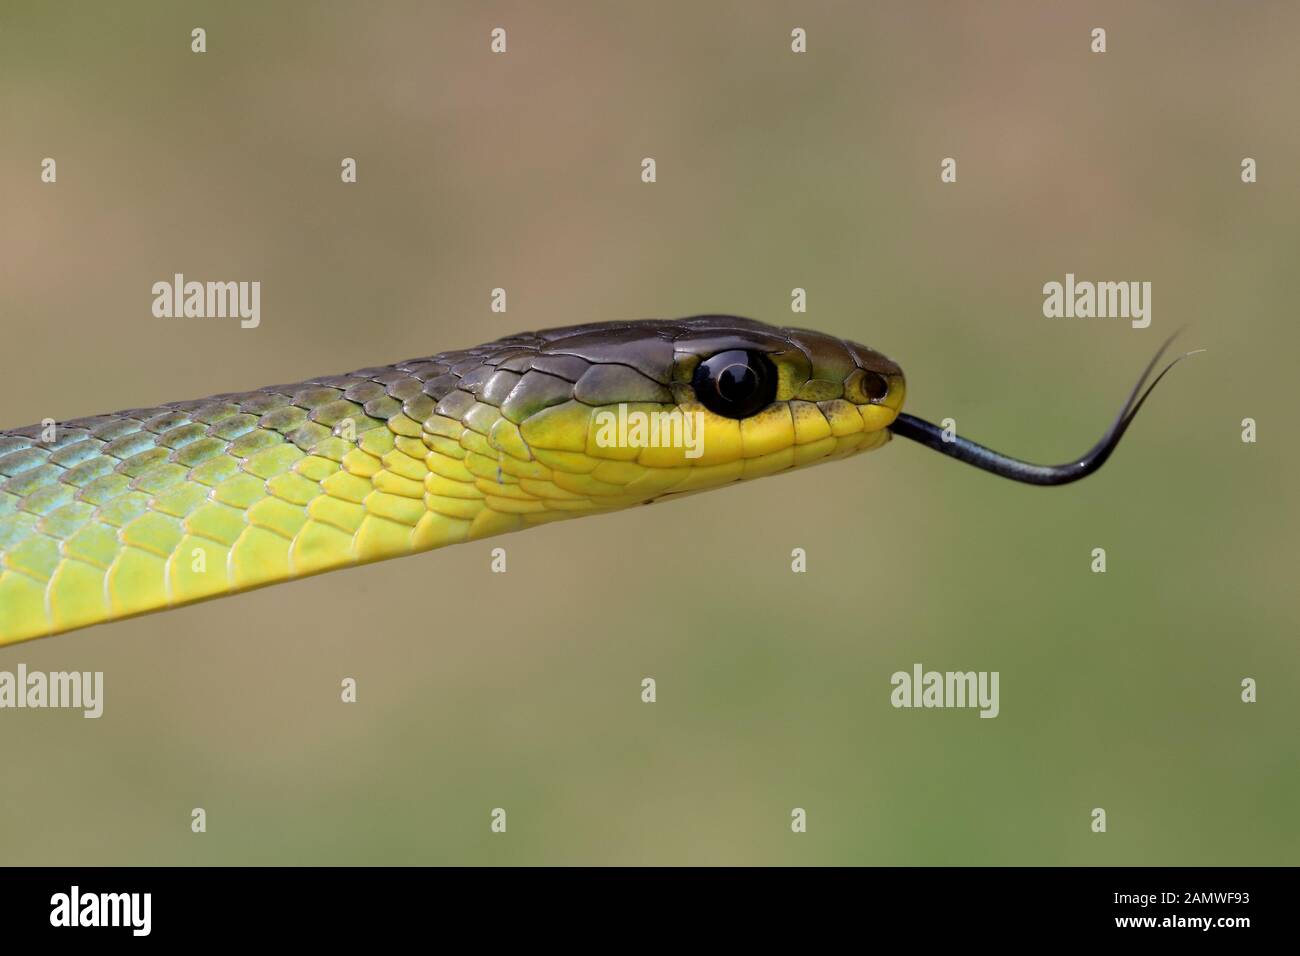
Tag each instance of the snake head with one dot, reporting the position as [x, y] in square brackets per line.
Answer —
[599, 417]
[120, 514]
[812, 376]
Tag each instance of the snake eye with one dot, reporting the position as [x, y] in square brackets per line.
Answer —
[735, 384]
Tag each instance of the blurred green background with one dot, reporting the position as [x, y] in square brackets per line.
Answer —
[775, 170]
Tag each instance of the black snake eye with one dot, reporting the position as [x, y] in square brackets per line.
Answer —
[735, 384]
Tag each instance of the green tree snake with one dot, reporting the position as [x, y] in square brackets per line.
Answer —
[115, 515]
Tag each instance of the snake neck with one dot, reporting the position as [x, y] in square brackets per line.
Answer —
[116, 515]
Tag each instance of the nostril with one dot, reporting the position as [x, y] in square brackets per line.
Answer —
[874, 385]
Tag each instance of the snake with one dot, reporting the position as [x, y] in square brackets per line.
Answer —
[112, 516]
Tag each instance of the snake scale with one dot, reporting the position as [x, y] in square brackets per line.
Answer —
[116, 515]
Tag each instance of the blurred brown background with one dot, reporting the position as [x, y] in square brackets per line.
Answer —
[775, 170]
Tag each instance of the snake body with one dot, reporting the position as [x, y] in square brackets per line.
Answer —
[116, 515]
